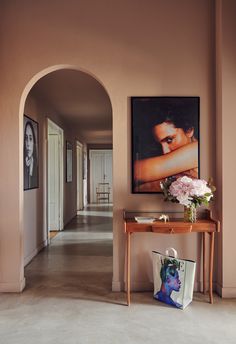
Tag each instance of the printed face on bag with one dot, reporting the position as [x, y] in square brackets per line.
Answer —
[170, 282]
[172, 279]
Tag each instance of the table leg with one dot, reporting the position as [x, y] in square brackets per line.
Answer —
[128, 268]
[212, 235]
[204, 261]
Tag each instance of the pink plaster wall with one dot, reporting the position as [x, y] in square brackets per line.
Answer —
[136, 48]
[35, 200]
[228, 146]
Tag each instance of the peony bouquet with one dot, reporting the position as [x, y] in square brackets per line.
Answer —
[189, 192]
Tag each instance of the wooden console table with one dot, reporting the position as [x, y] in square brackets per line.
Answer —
[176, 226]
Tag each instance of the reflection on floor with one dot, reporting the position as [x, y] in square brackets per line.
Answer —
[102, 210]
[68, 299]
[52, 234]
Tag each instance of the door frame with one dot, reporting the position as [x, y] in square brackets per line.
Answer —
[79, 176]
[60, 133]
[91, 150]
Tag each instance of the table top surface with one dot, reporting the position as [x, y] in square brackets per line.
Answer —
[173, 227]
[170, 222]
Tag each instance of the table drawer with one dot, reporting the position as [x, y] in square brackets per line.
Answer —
[172, 230]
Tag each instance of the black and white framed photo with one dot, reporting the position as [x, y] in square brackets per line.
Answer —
[69, 155]
[165, 140]
[31, 153]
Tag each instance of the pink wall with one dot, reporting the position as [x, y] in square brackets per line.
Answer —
[35, 201]
[133, 48]
[228, 121]
[34, 222]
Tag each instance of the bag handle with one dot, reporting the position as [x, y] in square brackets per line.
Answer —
[169, 249]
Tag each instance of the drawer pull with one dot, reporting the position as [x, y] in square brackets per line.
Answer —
[171, 230]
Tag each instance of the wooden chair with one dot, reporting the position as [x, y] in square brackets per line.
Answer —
[103, 192]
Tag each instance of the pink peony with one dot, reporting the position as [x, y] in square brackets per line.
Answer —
[185, 188]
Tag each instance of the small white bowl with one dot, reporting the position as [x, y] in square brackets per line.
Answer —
[141, 219]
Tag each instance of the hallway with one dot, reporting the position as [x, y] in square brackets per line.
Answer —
[68, 298]
[78, 260]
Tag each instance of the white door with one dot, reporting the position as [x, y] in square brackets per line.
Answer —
[85, 178]
[108, 171]
[79, 149]
[53, 182]
[100, 171]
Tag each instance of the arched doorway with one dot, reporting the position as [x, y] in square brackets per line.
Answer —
[37, 200]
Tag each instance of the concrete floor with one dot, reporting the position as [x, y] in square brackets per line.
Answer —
[68, 299]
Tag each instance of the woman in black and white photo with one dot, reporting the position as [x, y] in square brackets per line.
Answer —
[30, 154]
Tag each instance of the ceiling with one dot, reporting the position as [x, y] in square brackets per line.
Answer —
[81, 101]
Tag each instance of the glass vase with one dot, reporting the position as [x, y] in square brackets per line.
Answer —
[190, 214]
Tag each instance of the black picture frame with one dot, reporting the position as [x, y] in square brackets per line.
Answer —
[30, 153]
[150, 119]
[69, 162]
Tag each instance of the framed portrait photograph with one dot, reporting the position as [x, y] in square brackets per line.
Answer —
[31, 153]
[165, 140]
[69, 156]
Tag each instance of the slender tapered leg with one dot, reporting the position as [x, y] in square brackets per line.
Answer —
[212, 240]
[204, 261]
[128, 268]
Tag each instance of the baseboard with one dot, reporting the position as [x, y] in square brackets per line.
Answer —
[28, 259]
[141, 286]
[136, 286]
[198, 286]
[148, 286]
[219, 289]
[228, 293]
[117, 286]
[12, 287]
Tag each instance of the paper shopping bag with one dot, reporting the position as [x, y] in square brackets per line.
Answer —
[173, 279]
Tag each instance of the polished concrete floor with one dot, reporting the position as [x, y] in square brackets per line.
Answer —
[68, 299]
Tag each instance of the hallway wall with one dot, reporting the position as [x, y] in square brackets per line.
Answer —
[135, 49]
[34, 223]
[35, 211]
[226, 123]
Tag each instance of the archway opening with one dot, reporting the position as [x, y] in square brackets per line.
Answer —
[79, 105]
